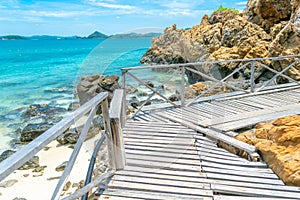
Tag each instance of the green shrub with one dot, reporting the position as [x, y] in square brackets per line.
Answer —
[222, 9]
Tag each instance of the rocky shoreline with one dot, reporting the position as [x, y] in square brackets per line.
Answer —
[265, 29]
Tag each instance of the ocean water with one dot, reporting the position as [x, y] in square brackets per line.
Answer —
[46, 71]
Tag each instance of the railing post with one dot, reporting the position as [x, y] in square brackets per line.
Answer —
[124, 102]
[252, 77]
[182, 86]
[106, 121]
[117, 143]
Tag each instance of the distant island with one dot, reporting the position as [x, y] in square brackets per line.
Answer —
[95, 35]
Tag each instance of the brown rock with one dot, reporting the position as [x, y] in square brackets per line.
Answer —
[266, 13]
[279, 143]
[269, 28]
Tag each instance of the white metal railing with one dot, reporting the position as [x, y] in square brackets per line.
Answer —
[241, 63]
[113, 133]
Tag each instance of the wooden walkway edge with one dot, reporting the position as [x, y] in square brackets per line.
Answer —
[173, 153]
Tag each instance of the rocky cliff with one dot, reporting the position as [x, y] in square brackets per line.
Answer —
[267, 28]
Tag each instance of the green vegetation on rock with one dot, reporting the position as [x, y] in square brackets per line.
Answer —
[222, 9]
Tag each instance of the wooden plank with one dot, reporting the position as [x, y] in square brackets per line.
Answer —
[238, 105]
[111, 197]
[177, 175]
[227, 107]
[122, 193]
[253, 103]
[239, 117]
[163, 148]
[158, 141]
[142, 130]
[156, 164]
[243, 179]
[217, 155]
[179, 159]
[165, 171]
[218, 136]
[220, 197]
[163, 154]
[273, 90]
[159, 118]
[224, 189]
[213, 152]
[254, 120]
[165, 176]
[233, 167]
[159, 181]
[158, 136]
[159, 188]
[243, 173]
[232, 162]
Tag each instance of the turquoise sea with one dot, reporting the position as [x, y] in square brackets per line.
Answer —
[46, 71]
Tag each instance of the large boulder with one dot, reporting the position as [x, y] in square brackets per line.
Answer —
[279, 143]
[35, 110]
[92, 85]
[32, 131]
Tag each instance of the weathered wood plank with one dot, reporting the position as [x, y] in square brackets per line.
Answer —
[113, 193]
[240, 173]
[165, 171]
[163, 154]
[232, 162]
[281, 88]
[224, 189]
[254, 120]
[159, 188]
[218, 136]
[220, 197]
[178, 176]
[159, 141]
[162, 147]
[179, 159]
[247, 115]
[233, 167]
[163, 182]
[243, 179]
[157, 164]
[170, 175]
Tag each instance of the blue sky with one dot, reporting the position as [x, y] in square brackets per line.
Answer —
[82, 17]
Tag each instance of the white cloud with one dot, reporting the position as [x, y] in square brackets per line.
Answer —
[242, 3]
[111, 5]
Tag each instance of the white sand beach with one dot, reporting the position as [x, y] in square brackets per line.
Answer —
[40, 185]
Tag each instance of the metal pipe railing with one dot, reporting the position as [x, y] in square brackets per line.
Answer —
[252, 62]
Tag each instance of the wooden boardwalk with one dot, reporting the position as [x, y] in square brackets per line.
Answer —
[173, 153]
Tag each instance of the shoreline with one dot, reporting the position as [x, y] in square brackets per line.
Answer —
[46, 181]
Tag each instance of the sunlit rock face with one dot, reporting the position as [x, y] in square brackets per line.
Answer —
[279, 143]
[267, 28]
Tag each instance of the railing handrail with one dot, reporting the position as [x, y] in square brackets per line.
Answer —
[155, 66]
[243, 63]
[114, 131]
[15, 161]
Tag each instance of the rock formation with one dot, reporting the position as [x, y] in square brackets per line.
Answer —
[94, 84]
[268, 28]
[279, 143]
